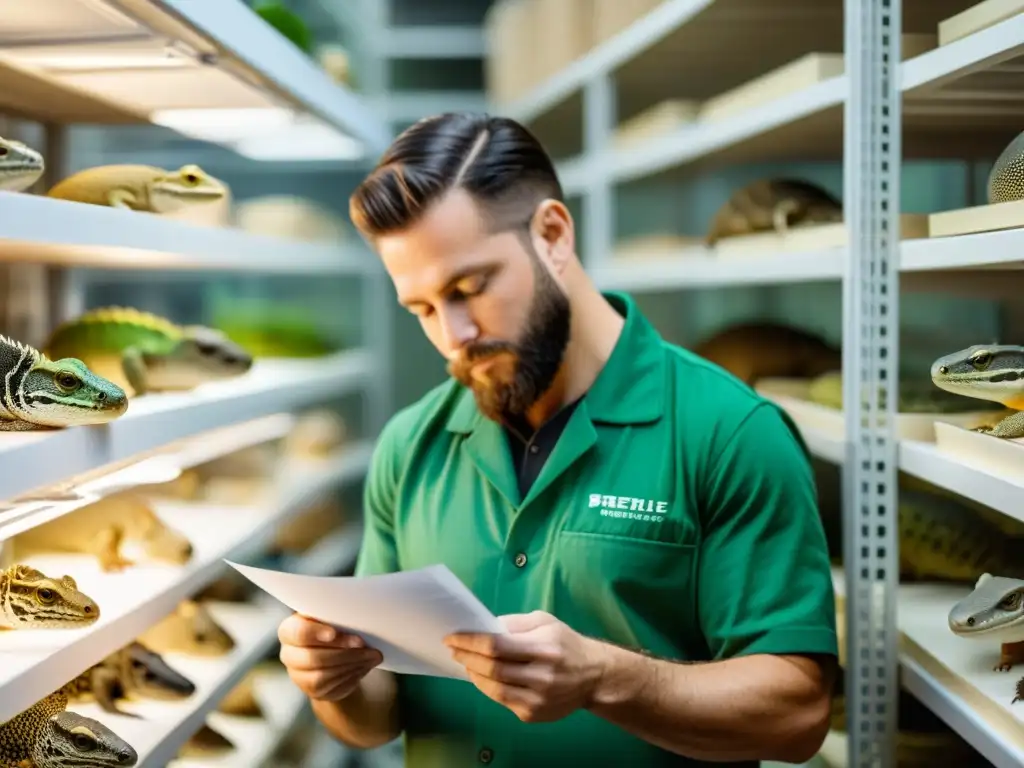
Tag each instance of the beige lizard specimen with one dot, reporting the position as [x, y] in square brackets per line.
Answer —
[101, 528]
[206, 742]
[46, 735]
[29, 599]
[20, 166]
[140, 187]
[241, 700]
[190, 629]
[773, 205]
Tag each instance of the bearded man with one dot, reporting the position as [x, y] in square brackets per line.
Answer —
[643, 522]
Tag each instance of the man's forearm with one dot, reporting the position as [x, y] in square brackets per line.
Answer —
[368, 717]
[757, 707]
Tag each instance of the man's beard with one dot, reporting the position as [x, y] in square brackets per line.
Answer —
[520, 373]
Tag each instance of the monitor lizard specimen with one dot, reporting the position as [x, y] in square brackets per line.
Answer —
[140, 188]
[133, 672]
[40, 393]
[101, 528]
[755, 350]
[994, 610]
[46, 735]
[987, 372]
[29, 599]
[146, 353]
[1006, 179]
[190, 629]
[20, 166]
[773, 205]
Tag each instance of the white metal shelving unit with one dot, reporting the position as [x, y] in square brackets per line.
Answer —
[957, 99]
[179, 63]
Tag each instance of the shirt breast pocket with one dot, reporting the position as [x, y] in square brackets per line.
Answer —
[637, 592]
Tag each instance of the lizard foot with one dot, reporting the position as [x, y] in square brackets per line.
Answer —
[982, 428]
[116, 564]
[1003, 666]
[1018, 691]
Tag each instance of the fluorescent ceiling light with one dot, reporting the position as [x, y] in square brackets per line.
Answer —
[224, 125]
[303, 140]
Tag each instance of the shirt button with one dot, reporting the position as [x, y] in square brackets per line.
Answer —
[520, 560]
[486, 755]
[534, 449]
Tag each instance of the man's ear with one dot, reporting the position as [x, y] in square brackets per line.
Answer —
[553, 234]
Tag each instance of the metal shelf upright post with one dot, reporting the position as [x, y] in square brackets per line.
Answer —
[871, 176]
[600, 110]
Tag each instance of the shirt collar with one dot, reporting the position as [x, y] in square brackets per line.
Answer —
[630, 389]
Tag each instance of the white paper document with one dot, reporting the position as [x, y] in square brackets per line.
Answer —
[404, 615]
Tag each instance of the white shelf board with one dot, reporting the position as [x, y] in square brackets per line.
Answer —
[64, 233]
[35, 662]
[604, 58]
[32, 460]
[952, 676]
[663, 273]
[247, 64]
[255, 739]
[997, 250]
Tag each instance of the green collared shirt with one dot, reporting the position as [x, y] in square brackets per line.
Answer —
[676, 514]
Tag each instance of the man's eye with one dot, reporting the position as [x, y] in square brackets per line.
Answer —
[470, 286]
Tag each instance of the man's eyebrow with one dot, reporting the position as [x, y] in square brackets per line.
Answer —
[461, 274]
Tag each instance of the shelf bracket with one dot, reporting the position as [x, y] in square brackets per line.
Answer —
[871, 176]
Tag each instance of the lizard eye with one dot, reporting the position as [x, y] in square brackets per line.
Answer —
[4, 151]
[981, 360]
[191, 178]
[46, 596]
[67, 381]
[1010, 602]
[84, 743]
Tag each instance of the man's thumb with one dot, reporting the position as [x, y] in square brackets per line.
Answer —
[524, 622]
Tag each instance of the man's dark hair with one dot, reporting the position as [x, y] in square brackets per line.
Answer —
[495, 159]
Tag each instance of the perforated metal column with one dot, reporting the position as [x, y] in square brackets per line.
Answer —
[600, 110]
[870, 377]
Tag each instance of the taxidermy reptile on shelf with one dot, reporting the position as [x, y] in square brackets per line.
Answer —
[147, 353]
[140, 188]
[1006, 179]
[191, 630]
[773, 205]
[46, 735]
[101, 529]
[20, 166]
[206, 742]
[994, 610]
[29, 599]
[133, 672]
[993, 373]
[756, 350]
[44, 393]
[827, 390]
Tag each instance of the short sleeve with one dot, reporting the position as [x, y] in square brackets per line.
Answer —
[764, 576]
[378, 554]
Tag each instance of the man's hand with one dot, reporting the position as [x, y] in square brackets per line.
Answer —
[542, 670]
[326, 665]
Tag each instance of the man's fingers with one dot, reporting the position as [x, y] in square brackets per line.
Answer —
[524, 622]
[327, 684]
[305, 658]
[506, 647]
[524, 675]
[301, 631]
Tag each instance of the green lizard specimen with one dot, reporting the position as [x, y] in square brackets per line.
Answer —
[101, 529]
[40, 393]
[773, 205]
[147, 353]
[133, 672]
[140, 188]
[20, 166]
[46, 735]
[987, 372]
[1006, 179]
[29, 599]
[994, 610]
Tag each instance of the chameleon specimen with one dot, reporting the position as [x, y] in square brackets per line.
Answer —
[1006, 179]
[987, 372]
[20, 166]
[755, 350]
[140, 188]
[42, 393]
[191, 630]
[994, 610]
[773, 205]
[132, 672]
[101, 528]
[29, 599]
[147, 353]
[46, 735]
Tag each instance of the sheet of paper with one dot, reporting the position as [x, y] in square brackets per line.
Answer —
[404, 615]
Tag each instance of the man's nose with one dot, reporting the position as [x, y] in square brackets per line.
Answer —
[459, 330]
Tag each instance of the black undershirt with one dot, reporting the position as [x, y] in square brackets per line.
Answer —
[529, 454]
